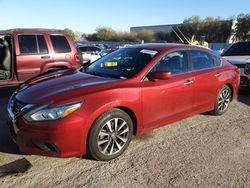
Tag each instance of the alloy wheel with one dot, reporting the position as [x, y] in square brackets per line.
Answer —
[113, 136]
[224, 100]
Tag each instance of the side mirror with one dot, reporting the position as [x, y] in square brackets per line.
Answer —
[159, 76]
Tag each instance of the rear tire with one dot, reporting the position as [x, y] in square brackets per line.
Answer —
[110, 135]
[222, 101]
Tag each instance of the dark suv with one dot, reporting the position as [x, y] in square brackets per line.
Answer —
[25, 53]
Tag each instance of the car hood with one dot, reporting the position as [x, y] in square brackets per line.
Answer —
[60, 85]
[238, 59]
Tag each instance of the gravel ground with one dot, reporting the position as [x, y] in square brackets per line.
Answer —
[201, 151]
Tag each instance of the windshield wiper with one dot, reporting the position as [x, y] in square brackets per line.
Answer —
[94, 73]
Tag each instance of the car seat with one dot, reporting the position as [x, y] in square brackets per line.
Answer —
[5, 63]
[172, 65]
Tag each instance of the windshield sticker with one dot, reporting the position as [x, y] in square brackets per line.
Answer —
[111, 64]
[150, 52]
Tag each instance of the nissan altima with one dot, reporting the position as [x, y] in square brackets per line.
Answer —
[130, 91]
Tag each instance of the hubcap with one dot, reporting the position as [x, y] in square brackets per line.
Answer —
[113, 136]
[224, 100]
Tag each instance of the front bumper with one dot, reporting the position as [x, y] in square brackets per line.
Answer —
[61, 138]
[57, 139]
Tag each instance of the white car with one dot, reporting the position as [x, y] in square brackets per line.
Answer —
[89, 53]
[239, 55]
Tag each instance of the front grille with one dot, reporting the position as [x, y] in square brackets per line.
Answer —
[17, 106]
[240, 65]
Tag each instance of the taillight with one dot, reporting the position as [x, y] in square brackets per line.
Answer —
[247, 68]
[76, 58]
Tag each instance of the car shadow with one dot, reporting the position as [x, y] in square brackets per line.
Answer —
[244, 95]
[7, 145]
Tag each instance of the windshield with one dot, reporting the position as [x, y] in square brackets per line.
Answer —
[123, 63]
[238, 49]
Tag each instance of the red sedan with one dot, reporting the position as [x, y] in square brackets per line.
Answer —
[128, 92]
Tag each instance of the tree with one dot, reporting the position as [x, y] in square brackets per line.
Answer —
[71, 33]
[211, 29]
[243, 27]
[146, 36]
[105, 34]
[128, 37]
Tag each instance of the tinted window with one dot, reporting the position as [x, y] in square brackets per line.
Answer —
[60, 44]
[42, 44]
[174, 62]
[83, 49]
[238, 49]
[89, 49]
[32, 44]
[123, 63]
[94, 49]
[216, 60]
[27, 44]
[201, 60]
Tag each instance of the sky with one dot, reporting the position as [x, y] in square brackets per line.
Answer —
[86, 15]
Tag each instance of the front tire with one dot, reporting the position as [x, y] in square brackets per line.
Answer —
[110, 135]
[222, 101]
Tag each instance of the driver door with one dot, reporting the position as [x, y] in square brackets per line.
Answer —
[166, 100]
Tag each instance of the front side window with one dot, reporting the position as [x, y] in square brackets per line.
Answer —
[32, 44]
[123, 63]
[201, 60]
[28, 44]
[174, 62]
[60, 44]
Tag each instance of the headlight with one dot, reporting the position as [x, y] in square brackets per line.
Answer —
[247, 68]
[47, 113]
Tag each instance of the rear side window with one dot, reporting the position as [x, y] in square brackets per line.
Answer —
[238, 49]
[32, 44]
[201, 60]
[60, 44]
[217, 61]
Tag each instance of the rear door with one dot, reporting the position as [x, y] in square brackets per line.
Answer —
[165, 100]
[207, 71]
[62, 51]
[31, 53]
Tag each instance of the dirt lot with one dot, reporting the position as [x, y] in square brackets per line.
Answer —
[202, 151]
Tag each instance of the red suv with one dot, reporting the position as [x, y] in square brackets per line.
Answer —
[25, 53]
[128, 92]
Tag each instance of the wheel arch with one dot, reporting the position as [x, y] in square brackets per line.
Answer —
[132, 116]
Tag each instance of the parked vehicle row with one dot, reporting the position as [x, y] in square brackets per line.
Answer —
[92, 53]
[135, 89]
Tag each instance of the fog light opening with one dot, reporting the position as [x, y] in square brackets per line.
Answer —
[45, 146]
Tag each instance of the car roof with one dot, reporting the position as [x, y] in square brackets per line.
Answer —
[242, 42]
[164, 46]
[23, 30]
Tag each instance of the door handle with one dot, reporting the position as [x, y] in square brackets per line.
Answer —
[217, 74]
[45, 57]
[188, 82]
